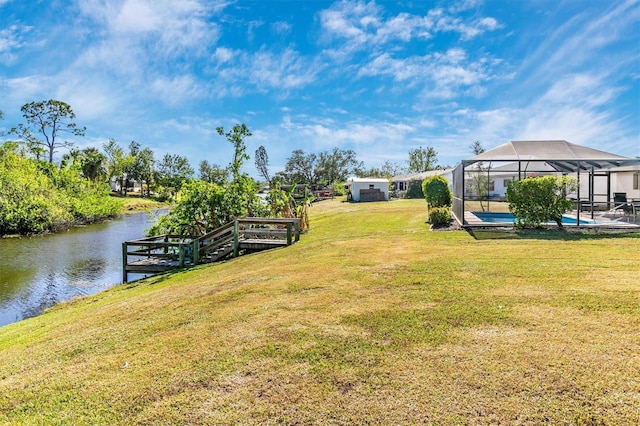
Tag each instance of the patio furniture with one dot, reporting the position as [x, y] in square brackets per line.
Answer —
[621, 204]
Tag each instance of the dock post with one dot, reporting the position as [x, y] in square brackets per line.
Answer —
[181, 255]
[236, 232]
[124, 263]
[196, 251]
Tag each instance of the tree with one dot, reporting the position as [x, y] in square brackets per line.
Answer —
[325, 168]
[480, 180]
[386, 170]
[37, 196]
[141, 168]
[118, 162]
[49, 119]
[213, 173]
[236, 136]
[336, 166]
[203, 206]
[173, 171]
[537, 200]
[240, 193]
[89, 163]
[300, 167]
[422, 160]
[262, 163]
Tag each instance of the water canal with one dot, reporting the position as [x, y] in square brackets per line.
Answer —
[38, 272]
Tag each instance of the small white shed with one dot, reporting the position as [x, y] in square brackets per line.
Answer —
[368, 189]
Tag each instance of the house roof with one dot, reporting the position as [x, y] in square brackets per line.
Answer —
[560, 154]
[421, 176]
[369, 180]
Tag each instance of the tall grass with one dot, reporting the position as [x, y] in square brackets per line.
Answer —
[370, 318]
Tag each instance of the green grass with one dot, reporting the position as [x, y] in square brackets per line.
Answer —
[370, 318]
[135, 203]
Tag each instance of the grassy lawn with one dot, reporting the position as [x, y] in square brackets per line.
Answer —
[369, 319]
[135, 203]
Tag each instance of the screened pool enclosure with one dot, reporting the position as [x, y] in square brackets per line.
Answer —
[479, 184]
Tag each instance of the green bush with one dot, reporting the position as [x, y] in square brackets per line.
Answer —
[339, 189]
[440, 215]
[414, 189]
[537, 200]
[37, 197]
[437, 192]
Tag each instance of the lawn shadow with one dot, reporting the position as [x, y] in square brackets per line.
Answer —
[551, 234]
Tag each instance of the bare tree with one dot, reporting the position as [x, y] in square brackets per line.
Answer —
[262, 163]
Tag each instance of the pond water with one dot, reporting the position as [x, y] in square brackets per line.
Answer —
[38, 272]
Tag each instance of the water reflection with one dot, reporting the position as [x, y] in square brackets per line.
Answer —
[38, 272]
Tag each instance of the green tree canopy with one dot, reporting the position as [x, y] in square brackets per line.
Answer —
[141, 168]
[336, 166]
[300, 167]
[213, 173]
[422, 160]
[324, 168]
[118, 163]
[387, 170]
[173, 171]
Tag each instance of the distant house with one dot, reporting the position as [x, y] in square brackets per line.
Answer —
[401, 182]
[132, 185]
[368, 189]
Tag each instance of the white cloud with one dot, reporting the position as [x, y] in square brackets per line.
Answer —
[441, 75]
[11, 39]
[362, 25]
[176, 90]
[222, 54]
[281, 27]
[581, 42]
[237, 72]
[168, 27]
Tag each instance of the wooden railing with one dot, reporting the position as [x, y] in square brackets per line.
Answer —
[165, 252]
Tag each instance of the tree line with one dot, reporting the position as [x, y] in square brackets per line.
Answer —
[31, 147]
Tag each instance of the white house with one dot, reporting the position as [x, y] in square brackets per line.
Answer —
[601, 184]
[401, 182]
[368, 189]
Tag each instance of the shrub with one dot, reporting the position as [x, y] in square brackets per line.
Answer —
[440, 215]
[414, 189]
[537, 200]
[339, 189]
[437, 192]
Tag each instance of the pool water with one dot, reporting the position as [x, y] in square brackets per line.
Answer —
[504, 217]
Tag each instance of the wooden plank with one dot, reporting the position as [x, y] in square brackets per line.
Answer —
[255, 244]
[189, 250]
[267, 220]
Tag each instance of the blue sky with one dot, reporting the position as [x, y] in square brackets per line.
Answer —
[378, 77]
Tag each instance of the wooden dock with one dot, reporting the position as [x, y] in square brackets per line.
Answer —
[161, 253]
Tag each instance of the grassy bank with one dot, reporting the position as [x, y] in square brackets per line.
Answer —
[135, 203]
[371, 318]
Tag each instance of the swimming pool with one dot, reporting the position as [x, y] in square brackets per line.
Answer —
[505, 217]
